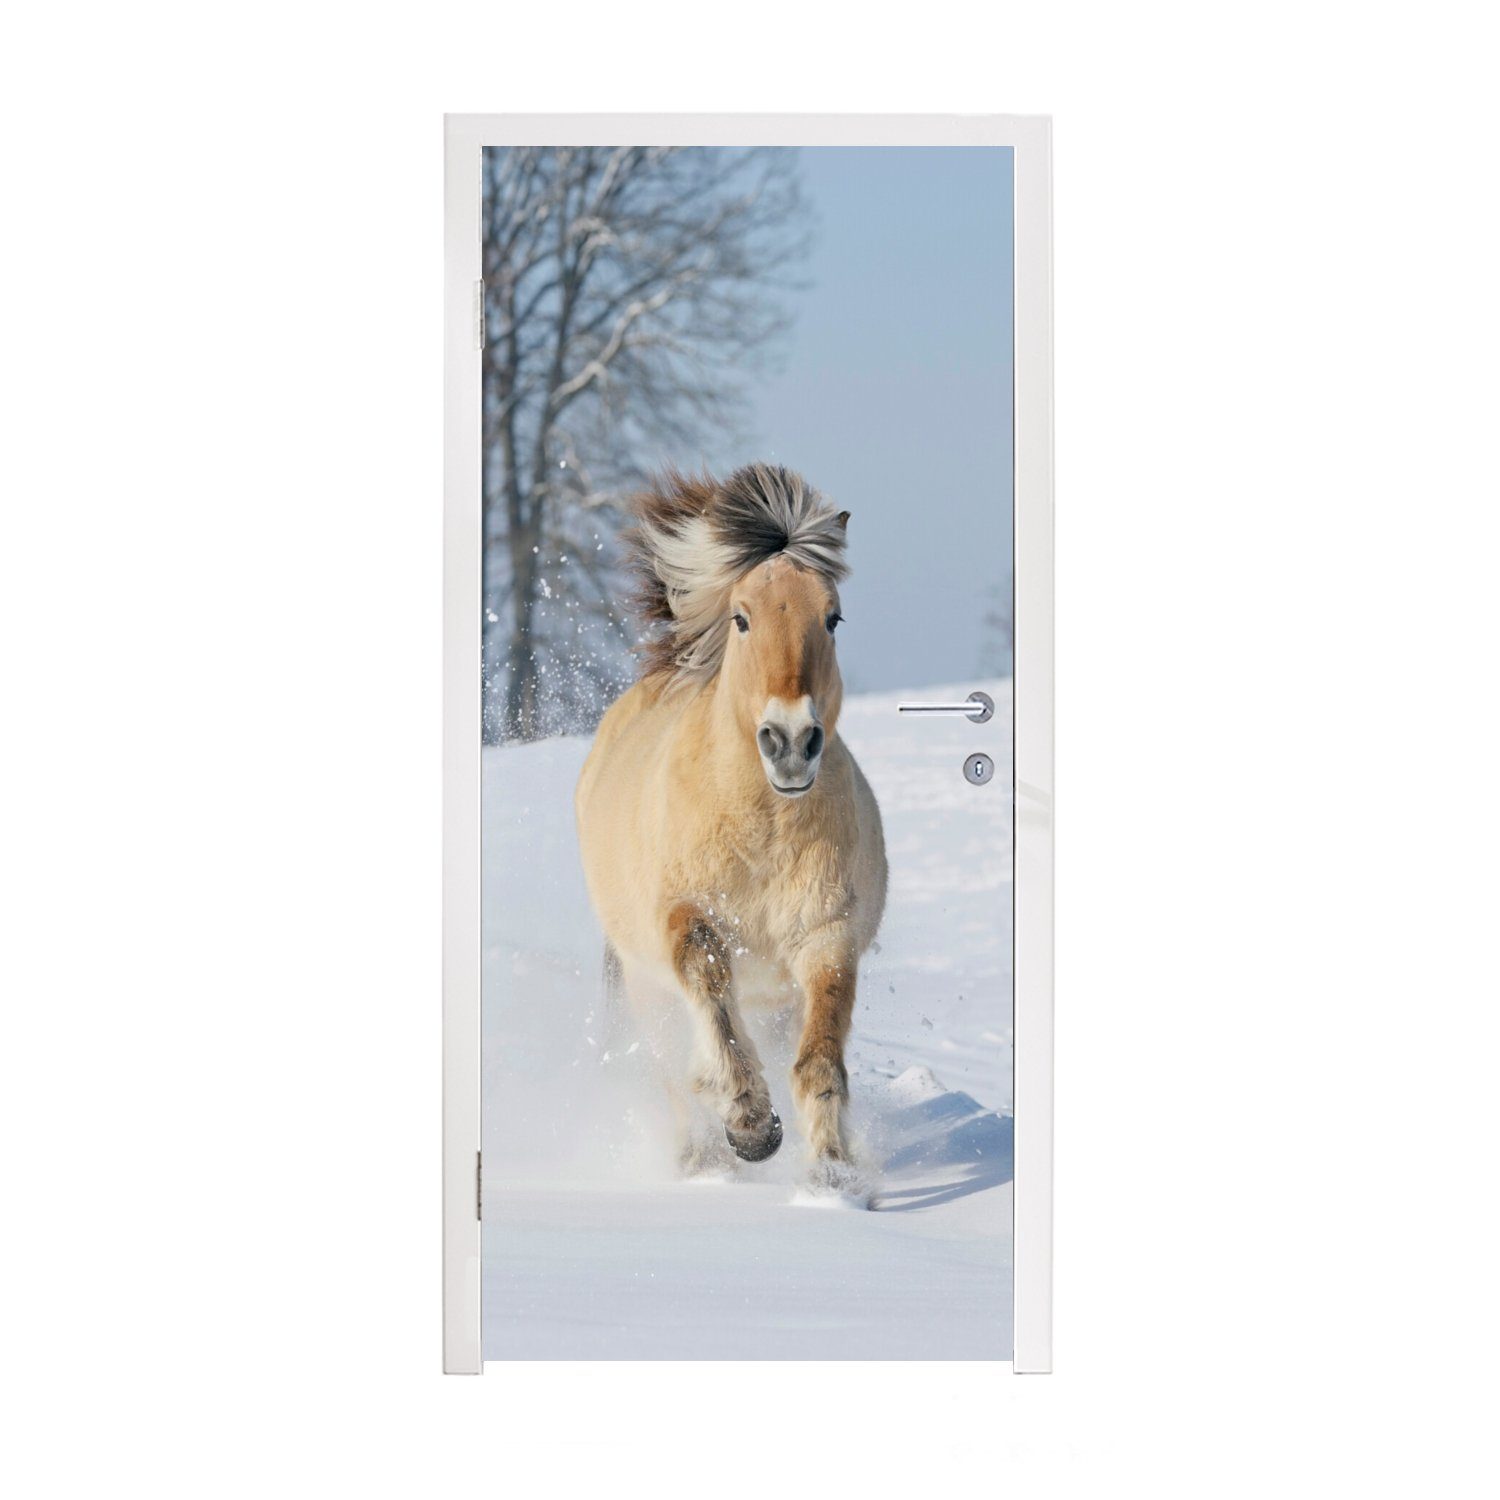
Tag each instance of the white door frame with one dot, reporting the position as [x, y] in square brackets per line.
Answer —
[1030, 138]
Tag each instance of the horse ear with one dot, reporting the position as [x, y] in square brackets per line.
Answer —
[843, 519]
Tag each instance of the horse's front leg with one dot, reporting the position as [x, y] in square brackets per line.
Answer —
[728, 1070]
[819, 1078]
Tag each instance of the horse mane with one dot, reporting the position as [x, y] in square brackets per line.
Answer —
[695, 538]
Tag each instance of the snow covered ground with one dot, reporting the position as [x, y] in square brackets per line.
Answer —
[595, 1249]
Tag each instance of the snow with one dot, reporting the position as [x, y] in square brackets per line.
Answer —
[595, 1247]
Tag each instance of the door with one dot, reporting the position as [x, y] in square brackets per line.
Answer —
[746, 642]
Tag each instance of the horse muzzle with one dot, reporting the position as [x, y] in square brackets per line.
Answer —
[791, 750]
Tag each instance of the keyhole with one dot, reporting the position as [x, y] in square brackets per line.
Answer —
[978, 769]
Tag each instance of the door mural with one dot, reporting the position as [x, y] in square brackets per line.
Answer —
[747, 958]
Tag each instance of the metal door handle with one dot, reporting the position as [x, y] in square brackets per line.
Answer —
[978, 708]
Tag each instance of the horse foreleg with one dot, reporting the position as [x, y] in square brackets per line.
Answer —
[819, 1078]
[728, 1069]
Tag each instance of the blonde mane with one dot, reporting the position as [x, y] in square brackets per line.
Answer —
[694, 539]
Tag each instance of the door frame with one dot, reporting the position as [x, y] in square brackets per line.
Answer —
[1030, 139]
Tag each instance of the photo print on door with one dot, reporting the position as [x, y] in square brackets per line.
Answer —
[747, 473]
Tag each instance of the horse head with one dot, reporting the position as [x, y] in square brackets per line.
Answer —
[738, 581]
[780, 669]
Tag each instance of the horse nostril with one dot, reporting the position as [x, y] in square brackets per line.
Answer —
[772, 742]
[813, 742]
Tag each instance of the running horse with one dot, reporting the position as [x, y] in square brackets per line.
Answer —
[732, 846]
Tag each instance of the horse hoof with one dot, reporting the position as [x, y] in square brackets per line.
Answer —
[751, 1149]
[834, 1182]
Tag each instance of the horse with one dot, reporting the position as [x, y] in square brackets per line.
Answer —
[732, 846]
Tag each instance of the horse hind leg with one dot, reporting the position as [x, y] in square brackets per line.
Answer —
[728, 1070]
[644, 1026]
[614, 975]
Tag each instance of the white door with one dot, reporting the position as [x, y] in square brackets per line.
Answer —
[746, 634]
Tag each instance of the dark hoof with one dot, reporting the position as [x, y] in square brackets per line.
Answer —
[749, 1148]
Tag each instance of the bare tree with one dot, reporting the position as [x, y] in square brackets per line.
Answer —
[626, 292]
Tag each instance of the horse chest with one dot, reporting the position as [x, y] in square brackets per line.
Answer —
[779, 889]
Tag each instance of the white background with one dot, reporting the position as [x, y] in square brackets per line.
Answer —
[219, 602]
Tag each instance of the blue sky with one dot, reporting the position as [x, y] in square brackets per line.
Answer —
[894, 398]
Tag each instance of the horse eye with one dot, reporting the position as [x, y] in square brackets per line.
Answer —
[833, 622]
[741, 624]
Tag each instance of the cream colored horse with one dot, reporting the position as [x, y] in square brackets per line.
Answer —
[732, 846]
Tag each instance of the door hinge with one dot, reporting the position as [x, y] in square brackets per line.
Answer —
[479, 315]
[479, 1185]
